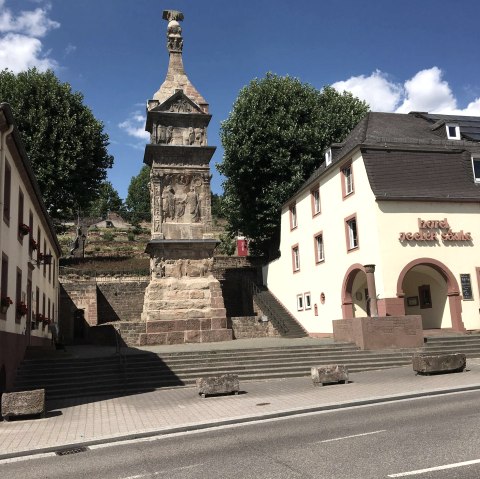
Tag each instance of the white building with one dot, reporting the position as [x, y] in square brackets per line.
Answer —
[29, 256]
[389, 225]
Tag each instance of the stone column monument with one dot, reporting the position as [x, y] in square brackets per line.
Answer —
[183, 302]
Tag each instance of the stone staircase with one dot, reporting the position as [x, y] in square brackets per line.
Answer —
[146, 371]
[281, 319]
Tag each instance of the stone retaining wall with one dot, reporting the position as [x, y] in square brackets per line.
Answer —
[247, 327]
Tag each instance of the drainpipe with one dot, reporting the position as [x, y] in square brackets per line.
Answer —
[3, 153]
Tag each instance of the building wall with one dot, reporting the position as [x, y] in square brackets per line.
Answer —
[460, 257]
[379, 225]
[16, 332]
[324, 277]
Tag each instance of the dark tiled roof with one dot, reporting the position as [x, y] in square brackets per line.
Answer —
[407, 159]
[422, 175]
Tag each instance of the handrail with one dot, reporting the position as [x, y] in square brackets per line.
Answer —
[255, 290]
[122, 358]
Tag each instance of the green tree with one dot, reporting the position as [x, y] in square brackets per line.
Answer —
[66, 145]
[108, 200]
[138, 198]
[216, 202]
[273, 140]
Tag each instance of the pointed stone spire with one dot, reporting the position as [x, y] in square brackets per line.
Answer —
[176, 78]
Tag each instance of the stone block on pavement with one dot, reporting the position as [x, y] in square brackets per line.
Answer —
[23, 403]
[224, 384]
[439, 363]
[333, 373]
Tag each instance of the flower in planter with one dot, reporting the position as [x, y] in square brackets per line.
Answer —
[24, 229]
[22, 308]
[33, 244]
[40, 317]
[46, 321]
[5, 303]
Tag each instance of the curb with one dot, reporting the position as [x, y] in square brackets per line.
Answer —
[238, 420]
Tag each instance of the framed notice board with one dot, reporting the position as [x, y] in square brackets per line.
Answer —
[466, 283]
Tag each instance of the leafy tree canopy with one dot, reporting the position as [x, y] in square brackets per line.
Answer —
[64, 142]
[108, 201]
[138, 198]
[273, 140]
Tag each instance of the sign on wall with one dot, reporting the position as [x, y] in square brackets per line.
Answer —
[466, 283]
[435, 230]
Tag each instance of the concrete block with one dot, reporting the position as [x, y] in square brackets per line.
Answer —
[333, 373]
[439, 363]
[224, 384]
[23, 403]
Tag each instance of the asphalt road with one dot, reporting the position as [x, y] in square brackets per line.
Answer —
[400, 439]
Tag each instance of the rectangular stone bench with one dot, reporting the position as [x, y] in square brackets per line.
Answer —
[224, 384]
[23, 403]
[333, 373]
[438, 363]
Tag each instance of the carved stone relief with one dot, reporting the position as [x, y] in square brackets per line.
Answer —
[192, 268]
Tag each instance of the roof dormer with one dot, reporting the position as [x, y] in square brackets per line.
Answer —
[453, 131]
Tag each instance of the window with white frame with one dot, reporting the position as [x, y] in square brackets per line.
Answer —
[295, 258]
[347, 180]
[307, 300]
[299, 302]
[316, 201]
[352, 233]
[328, 157]
[293, 216]
[453, 131]
[319, 249]
[476, 169]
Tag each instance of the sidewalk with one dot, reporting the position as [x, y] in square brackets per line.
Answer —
[87, 421]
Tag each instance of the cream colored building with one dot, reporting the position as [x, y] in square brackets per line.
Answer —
[388, 225]
[29, 253]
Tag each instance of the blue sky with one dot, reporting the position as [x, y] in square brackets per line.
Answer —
[399, 56]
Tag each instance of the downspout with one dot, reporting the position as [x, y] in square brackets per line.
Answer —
[3, 153]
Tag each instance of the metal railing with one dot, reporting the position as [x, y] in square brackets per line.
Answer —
[274, 318]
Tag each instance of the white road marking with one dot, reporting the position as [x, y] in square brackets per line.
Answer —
[165, 471]
[26, 458]
[349, 437]
[438, 468]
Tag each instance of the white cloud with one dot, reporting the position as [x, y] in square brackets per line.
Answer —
[18, 53]
[20, 47]
[376, 90]
[34, 23]
[135, 126]
[425, 91]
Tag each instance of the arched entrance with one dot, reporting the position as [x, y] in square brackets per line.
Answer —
[355, 302]
[430, 289]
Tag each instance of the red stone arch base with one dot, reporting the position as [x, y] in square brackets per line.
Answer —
[347, 301]
[453, 290]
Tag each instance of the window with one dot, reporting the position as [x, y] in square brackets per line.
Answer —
[30, 239]
[293, 216]
[18, 294]
[351, 231]
[39, 249]
[44, 262]
[4, 277]
[7, 187]
[347, 180]
[453, 131]
[50, 268]
[425, 296]
[319, 251]
[299, 302]
[328, 157]
[295, 258]
[20, 214]
[307, 301]
[315, 201]
[37, 302]
[476, 169]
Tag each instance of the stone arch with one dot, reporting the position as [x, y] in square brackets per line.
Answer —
[347, 300]
[453, 290]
